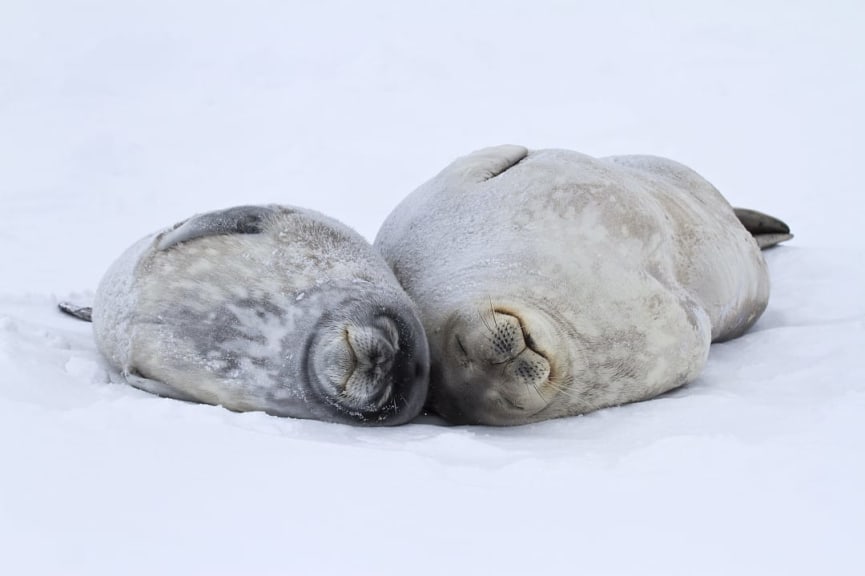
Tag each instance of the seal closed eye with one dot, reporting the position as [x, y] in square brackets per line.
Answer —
[267, 308]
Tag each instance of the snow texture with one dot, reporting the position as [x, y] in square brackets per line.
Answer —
[119, 118]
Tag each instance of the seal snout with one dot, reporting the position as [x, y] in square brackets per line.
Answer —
[358, 361]
[492, 369]
[371, 364]
[501, 340]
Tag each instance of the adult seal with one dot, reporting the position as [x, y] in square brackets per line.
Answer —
[267, 308]
[551, 283]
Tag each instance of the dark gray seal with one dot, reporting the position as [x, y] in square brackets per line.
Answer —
[265, 308]
[551, 283]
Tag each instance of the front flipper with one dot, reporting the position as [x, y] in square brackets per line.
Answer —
[238, 220]
[485, 164]
[81, 312]
[767, 230]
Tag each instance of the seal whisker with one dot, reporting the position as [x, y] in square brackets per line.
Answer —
[485, 322]
[493, 313]
[538, 392]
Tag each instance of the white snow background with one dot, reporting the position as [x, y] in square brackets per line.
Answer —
[120, 117]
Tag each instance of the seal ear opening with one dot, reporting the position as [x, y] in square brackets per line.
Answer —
[767, 230]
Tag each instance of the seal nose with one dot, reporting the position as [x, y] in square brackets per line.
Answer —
[374, 347]
[367, 360]
[501, 341]
[497, 339]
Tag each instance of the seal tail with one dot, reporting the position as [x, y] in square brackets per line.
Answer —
[767, 230]
[81, 312]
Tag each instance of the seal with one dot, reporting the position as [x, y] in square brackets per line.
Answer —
[269, 308]
[551, 283]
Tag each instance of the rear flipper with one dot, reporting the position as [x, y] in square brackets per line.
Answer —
[767, 230]
[81, 312]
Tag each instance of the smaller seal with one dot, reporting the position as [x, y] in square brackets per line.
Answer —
[269, 308]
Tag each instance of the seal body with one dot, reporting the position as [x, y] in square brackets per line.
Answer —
[551, 283]
[265, 308]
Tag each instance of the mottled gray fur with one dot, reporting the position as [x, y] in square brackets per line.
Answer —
[265, 308]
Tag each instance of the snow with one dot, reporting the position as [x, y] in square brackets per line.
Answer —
[117, 119]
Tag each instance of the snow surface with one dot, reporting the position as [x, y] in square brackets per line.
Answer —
[119, 118]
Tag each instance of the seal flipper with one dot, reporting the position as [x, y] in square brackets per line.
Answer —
[486, 163]
[238, 220]
[81, 312]
[767, 230]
